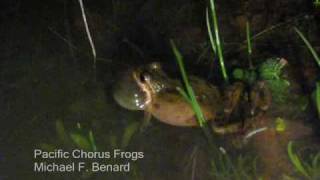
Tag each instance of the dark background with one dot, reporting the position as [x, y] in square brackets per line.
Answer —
[46, 61]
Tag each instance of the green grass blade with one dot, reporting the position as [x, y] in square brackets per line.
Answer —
[48, 147]
[217, 41]
[213, 46]
[128, 134]
[184, 94]
[316, 160]
[248, 38]
[249, 45]
[317, 59]
[92, 141]
[307, 43]
[318, 97]
[192, 98]
[296, 161]
[61, 132]
[80, 141]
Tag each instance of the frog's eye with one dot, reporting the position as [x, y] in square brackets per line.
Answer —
[145, 77]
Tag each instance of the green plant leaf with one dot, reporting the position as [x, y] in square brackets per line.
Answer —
[309, 46]
[191, 95]
[92, 141]
[248, 39]
[128, 133]
[296, 161]
[80, 140]
[213, 46]
[48, 147]
[316, 160]
[217, 41]
[318, 97]
[61, 133]
[184, 94]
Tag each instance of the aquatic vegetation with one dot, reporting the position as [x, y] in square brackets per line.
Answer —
[240, 167]
[310, 170]
[124, 140]
[248, 76]
[212, 41]
[316, 3]
[272, 68]
[280, 124]
[79, 137]
[296, 161]
[309, 46]
[189, 94]
[223, 167]
[317, 59]
[215, 42]
[61, 133]
[271, 72]
[249, 45]
[83, 139]
[317, 92]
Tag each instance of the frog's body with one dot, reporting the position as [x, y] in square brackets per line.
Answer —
[148, 88]
[157, 94]
[170, 107]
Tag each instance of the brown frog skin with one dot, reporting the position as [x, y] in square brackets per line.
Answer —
[150, 89]
[163, 101]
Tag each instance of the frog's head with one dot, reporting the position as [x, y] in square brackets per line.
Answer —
[136, 87]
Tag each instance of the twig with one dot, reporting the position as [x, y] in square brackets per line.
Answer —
[88, 34]
[194, 163]
[62, 38]
[276, 26]
[68, 31]
[134, 47]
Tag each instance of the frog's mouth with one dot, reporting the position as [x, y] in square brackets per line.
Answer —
[131, 91]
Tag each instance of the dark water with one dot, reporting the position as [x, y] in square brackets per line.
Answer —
[51, 98]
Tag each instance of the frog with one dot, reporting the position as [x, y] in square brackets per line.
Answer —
[148, 88]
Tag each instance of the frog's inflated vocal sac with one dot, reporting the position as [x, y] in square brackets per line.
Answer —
[148, 88]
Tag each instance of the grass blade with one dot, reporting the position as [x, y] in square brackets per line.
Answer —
[192, 98]
[80, 141]
[92, 141]
[309, 46]
[248, 39]
[318, 97]
[249, 46]
[217, 41]
[296, 161]
[128, 134]
[213, 46]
